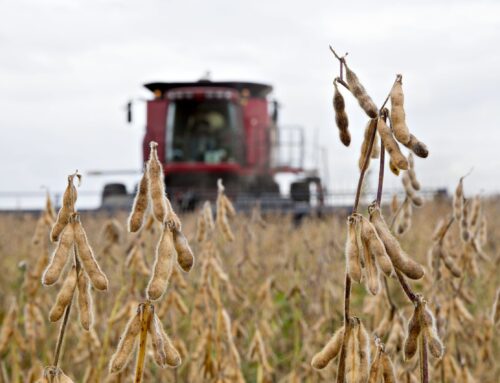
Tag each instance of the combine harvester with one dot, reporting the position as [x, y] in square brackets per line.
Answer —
[229, 130]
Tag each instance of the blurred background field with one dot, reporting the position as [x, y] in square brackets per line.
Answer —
[284, 279]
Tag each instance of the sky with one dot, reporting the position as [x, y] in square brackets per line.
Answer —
[68, 67]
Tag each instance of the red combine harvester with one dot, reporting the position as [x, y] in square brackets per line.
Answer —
[209, 130]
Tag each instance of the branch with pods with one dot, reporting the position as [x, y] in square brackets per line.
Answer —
[372, 252]
[84, 271]
[172, 249]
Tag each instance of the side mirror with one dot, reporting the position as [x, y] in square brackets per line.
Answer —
[274, 114]
[129, 112]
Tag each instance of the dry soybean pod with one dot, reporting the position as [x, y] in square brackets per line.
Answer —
[376, 246]
[359, 242]
[8, 326]
[399, 258]
[448, 261]
[341, 118]
[178, 302]
[414, 330]
[162, 268]
[40, 230]
[164, 351]
[398, 115]
[440, 230]
[135, 258]
[49, 208]
[208, 215]
[67, 208]
[394, 204]
[222, 220]
[140, 263]
[372, 273]
[391, 146]
[388, 369]
[201, 227]
[39, 319]
[141, 202]
[405, 220]
[495, 310]
[435, 345]
[42, 251]
[410, 192]
[396, 336]
[54, 375]
[352, 250]
[172, 356]
[85, 306]
[370, 127]
[29, 325]
[173, 220]
[475, 214]
[157, 341]
[329, 351]
[126, 344]
[185, 257]
[59, 257]
[417, 147]
[411, 172]
[352, 360]
[63, 378]
[358, 91]
[226, 321]
[394, 169]
[385, 324]
[228, 205]
[464, 222]
[86, 256]
[463, 312]
[428, 324]
[64, 296]
[483, 232]
[376, 369]
[156, 184]
[433, 259]
[364, 353]
[34, 373]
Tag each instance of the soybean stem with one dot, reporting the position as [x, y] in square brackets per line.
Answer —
[347, 297]
[347, 302]
[146, 309]
[340, 79]
[62, 331]
[3, 372]
[397, 212]
[67, 311]
[406, 288]
[343, 351]
[388, 294]
[424, 360]
[336, 55]
[381, 173]
[370, 147]
[363, 170]
[398, 79]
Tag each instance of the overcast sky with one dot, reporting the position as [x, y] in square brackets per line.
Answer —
[67, 68]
